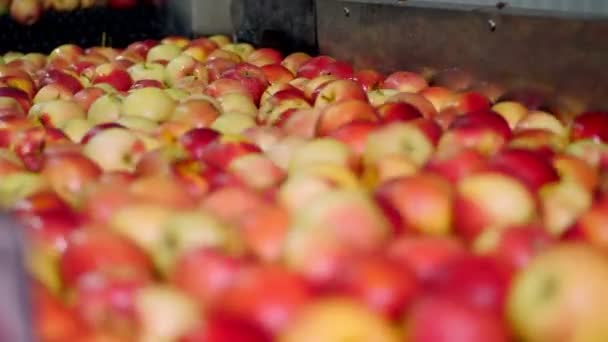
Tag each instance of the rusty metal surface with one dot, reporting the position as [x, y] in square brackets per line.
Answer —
[567, 56]
[286, 25]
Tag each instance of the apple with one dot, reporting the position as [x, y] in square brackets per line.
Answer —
[163, 53]
[367, 277]
[589, 125]
[339, 90]
[531, 97]
[109, 73]
[420, 102]
[513, 112]
[477, 208]
[294, 61]
[64, 78]
[592, 226]
[273, 110]
[443, 319]
[398, 111]
[478, 281]
[277, 74]
[220, 327]
[338, 319]
[399, 138]
[338, 114]
[114, 149]
[455, 166]
[423, 201]
[264, 56]
[70, 174]
[152, 305]
[180, 41]
[574, 169]
[26, 12]
[243, 50]
[314, 66]
[470, 101]
[485, 131]
[224, 54]
[18, 95]
[540, 140]
[206, 274]
[529, 166]
[271, 296]
[57, 112]
[196, 113]
[237, 103]
[147, 71]
[95, 252]
[184, 66]
[320, 151]
[542, 120]
[404, 81]
[230, 202]
[554, 286]
[108, 304]
[223, 86]
[318, 242]
[76, 129]
[250, 77]
[52, 319]
[369, 79]
[53, 91]
[264, 230]
[65, 5]
[22, 83]
[189, 230]
[106, 108]
[257, 171]
[219, 152]
[149, 103]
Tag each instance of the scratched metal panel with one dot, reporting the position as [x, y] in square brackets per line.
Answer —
[566, 7]
[566, 56]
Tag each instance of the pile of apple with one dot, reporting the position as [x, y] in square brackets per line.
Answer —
[204, 190]
[28, 12]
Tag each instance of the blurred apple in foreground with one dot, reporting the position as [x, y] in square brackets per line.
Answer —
[555, 297]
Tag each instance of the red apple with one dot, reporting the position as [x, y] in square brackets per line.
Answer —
[354, 134]
[436, 319]
[477, 208]
[530, 167]
[385, 286]
[590, 125]
[264, 56]
[369, 79]
[405, 81]
[339, 114]
[111, 74]
[206, 274]
[423, 202]
[398, 111]
[478, 281]
[458, 165]
[221, 327]
[337, 91]
[517, 246]
[272, 296]
[97, 252]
